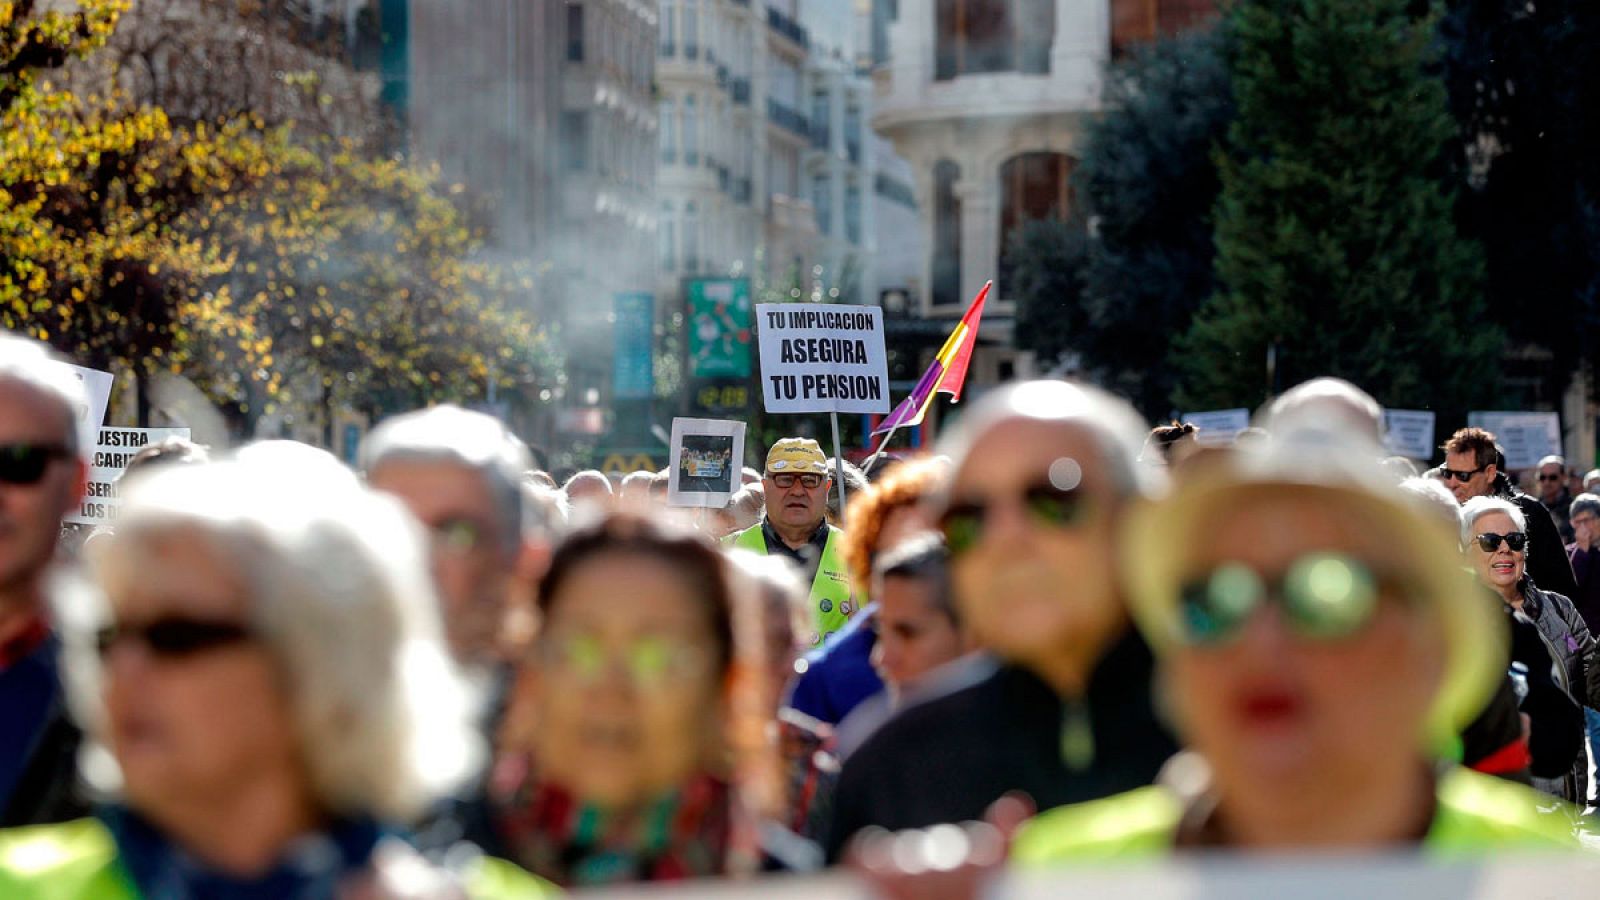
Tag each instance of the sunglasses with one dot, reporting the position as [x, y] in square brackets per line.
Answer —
[1458, 475]
[1549, 477]
[1322, 596]
[1489, 542]
[174, 637]
[1045, 504]
[786, 481]
[651, 663]
[27, 463]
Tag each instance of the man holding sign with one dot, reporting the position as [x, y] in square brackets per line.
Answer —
[796, 485]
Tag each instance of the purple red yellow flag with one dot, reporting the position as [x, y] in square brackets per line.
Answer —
[947, 374]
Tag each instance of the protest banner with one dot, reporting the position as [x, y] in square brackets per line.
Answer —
[822, 358]
[1218, 427]
[97, 388]
[705, 463]
[1526, 437]
[1409, 432]
[112, 452]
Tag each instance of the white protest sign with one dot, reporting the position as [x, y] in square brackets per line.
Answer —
[1409, 432]
[112, 452]
[97, 388]
[1219, 426]
[818, 357]
[706, 462]
[1526, 437]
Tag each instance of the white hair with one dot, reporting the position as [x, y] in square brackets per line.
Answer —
[340, 595]
[473, 440]
[31, 363]
[1108, 420]
[1478, 507]
[1553, 460]
[1436, 498]
[1324, 404]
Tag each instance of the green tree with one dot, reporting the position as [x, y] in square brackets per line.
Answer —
[1336, 249]
[1147, 182]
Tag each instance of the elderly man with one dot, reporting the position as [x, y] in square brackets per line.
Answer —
[42, 479]
[1554, 495]
[1043, 473]
[460, 474]
[1471, 470]
[795, 525]
[588, 487]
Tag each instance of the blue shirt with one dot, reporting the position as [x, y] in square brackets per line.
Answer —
[839, 674]
[29, 692]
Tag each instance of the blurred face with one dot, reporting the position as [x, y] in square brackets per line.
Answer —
[1583, 528]
[902, 522]
[1479, 484]
[1030, 525]
[625, 682]
[1502, 567]
[197, 709]
[791, 503]
[589, 490]
[1551, 479]
[31, 512]
[1275, 712]
[472, 567]
[914, 636]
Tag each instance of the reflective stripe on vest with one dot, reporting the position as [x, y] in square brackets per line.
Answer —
[831, 601]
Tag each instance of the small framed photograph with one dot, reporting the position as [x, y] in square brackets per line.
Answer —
[707, 459]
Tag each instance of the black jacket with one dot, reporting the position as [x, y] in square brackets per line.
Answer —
[50, 790]
[947, 759]
[1577, 669]
[1556, 726]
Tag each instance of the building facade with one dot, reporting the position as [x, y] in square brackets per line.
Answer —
[987, 100]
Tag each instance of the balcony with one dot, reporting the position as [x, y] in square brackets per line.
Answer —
[741, 91]
[788, 28]
[788, 119]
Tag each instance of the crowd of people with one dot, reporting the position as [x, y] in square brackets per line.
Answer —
[1061, 637]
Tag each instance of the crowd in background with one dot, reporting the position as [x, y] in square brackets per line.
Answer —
[1060, 637]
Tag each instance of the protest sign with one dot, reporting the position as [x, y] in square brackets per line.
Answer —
[706, 461]
[1409, 432]
[97, 388]
[819, 357]
[1218, 427]
[111, 454]
[1526, 437]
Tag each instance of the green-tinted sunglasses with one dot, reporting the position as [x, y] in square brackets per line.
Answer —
[1045, 504]
[650, 662]
[1323, 597]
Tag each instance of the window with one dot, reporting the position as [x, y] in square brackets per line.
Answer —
[1033, 186]
[691, 29]
[668, 233]
[977, 36]
[946, 275]
[669, 133]
[574, 32]
[669, 22]
[574, 141]
[822, 201]
[691, 239]
[852, 214]
[691, 132]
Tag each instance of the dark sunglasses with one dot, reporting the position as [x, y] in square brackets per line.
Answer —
[1323, 597]
[1458, 475]
[1549, 477]
[26, 463]
[1490, 542]
[1047, 505]
[174, 637]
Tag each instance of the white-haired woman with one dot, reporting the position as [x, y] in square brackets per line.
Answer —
[1495, 535]
[266, 693]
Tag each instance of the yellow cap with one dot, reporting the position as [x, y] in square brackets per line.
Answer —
[800, 455]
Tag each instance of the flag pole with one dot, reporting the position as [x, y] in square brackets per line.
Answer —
[883, 445]
[838, 463]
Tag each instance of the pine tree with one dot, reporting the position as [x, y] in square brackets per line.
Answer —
[1336, 248]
